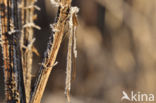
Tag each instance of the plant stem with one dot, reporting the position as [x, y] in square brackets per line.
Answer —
[28, 7]
[52, 52]
[10, 32]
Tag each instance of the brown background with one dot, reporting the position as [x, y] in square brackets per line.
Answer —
[116, 50]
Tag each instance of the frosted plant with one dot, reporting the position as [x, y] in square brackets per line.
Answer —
[73, 23]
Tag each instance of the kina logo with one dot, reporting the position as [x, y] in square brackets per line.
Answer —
[137, 97]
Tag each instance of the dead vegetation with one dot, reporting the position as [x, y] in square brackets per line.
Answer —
[116, 47]
[17, 39]
[116, 50]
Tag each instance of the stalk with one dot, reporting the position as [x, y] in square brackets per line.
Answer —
[52, 51]
[27, 40]
[10, 32]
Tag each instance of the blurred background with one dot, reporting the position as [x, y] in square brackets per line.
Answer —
[116, 41]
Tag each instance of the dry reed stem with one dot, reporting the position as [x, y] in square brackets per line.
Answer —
[10, 31]
[52, 52]
[28, 7]
[6, 53]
